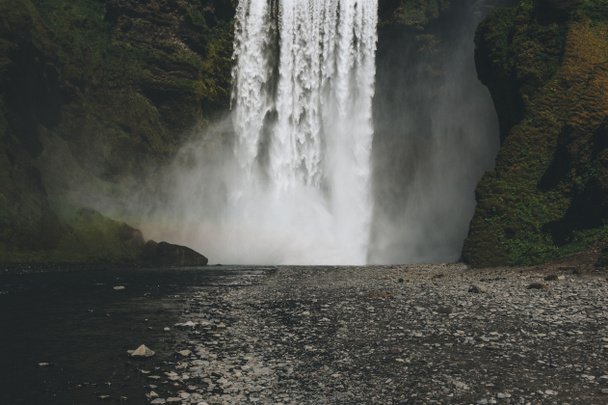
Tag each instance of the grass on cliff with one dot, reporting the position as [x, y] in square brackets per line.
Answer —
[540, 201]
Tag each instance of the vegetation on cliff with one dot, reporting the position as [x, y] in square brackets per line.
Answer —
[546, 65]
[101, 89]
[112, 87]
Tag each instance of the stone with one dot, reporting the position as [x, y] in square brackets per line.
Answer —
[475, 289]
[165, 254]
[142, 352]
[537, 286]
[459, 385]
[188, 324]
[119, 288]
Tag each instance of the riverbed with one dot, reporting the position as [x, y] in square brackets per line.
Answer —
[306, 335]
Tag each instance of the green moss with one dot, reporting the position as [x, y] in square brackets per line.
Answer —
[596, 10]
[17, 16]
[91, 237]
[86, 237]
[545, 198]
[418, 13]
[125, 94]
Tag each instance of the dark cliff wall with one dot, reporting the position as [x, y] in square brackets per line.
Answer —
[98, 90]
[546, 65]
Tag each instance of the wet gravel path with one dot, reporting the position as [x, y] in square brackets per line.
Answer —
[394, 335]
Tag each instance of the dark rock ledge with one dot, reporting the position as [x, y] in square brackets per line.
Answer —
[166, 254]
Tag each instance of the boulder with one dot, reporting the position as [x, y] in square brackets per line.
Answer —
[166, 254]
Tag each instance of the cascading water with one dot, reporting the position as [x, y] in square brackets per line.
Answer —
[302, 112]
[286, 179]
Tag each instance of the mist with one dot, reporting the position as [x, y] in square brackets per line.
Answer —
[436, 133]
[291, 181]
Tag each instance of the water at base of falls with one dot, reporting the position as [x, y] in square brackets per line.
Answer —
[302, 112]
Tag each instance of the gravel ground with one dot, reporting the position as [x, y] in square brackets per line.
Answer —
[439, 334]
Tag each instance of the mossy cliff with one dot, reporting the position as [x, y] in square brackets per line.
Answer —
[113, 85]
[100, 90]
[546, 65]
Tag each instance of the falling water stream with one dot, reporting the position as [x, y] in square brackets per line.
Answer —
[302, 112]
[290, 175]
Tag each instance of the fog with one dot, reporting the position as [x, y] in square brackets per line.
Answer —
[436, 133]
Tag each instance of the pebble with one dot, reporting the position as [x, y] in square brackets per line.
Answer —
[333, 340]
[142, 351]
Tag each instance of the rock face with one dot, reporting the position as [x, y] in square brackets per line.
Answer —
[94, 92]
[545, 63]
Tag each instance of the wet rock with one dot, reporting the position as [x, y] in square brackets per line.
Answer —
[188, 324]
[166, 254]
[537, 286]
[141, 352]
[475, 289]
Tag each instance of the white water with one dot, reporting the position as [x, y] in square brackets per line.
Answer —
[302, 113]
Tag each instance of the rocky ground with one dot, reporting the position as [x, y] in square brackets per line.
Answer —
[389, 335]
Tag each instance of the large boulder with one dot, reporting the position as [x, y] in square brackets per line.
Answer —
[165, 254]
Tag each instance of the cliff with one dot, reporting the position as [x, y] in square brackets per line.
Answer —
[98, 90]
[546, 65]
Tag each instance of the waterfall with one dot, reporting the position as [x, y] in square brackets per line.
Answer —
[302, 111]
